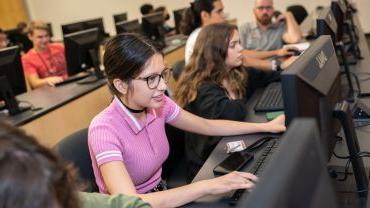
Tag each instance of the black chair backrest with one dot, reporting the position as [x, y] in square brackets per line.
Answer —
[74, 148]
[299, 12]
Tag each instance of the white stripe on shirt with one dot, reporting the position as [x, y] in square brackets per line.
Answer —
[174, 114]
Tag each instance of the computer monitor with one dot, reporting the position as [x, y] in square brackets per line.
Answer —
[132, 26]
[50, 29]
[81, 50]
[119, 17]
[296, 176]
[152, 25]
[312, 87]
[12, 77]
[178, 14]
[326, 24]
[84, 25]
[339, 8]
[16, 37]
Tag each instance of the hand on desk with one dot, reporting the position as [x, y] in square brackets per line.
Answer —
[231, 181]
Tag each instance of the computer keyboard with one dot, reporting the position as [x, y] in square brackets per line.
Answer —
[271, 99]
[258, 167]
[73, 78]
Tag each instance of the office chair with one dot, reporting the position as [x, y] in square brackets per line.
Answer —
[299, 12]
[74, 148]
[174, 168]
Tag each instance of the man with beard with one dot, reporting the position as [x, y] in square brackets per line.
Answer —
[264, 37]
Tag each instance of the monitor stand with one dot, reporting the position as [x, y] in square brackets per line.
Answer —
[351, 96]
[98, 74]
[343, 113]
[11, 103]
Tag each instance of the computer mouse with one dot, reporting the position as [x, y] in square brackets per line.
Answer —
[295, 52]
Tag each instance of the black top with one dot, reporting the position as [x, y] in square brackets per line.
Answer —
[212, 102]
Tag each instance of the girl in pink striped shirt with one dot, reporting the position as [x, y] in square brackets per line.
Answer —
[127, 140]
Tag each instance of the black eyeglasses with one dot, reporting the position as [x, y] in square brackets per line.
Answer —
[154, 79]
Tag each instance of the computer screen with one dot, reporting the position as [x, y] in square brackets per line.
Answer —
[84, 25]
[119, 17]
[326, 24]
[16, 37]
[50, 29]
[12, 81]
[81, 50]
[311, 88]
[296, 176]
[132, 26]
[11, 67]
[177, 14]
[152, 25]
[339, 8]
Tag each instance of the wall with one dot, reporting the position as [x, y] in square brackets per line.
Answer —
[65, 11]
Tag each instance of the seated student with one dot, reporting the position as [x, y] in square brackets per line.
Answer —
[146, 9]
[168, 29]
[206, 12]
[127, 140]
[263, 38]
[4, 41]
[45, 63]
[31, 176]
[215, 85]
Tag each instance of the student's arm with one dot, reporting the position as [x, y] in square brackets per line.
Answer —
[267, 54]
[266, 65]
[36, 82]
[190, 122]
[118, 181]
[293, 33]
[256, 63]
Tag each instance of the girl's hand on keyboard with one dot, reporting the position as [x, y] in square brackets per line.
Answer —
[231, 181]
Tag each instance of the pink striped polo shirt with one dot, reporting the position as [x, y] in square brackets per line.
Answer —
[116, 135]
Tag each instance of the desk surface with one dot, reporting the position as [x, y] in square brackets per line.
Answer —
[50, 98]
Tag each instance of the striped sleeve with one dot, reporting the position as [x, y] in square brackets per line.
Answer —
[171, 110]
[104, 144]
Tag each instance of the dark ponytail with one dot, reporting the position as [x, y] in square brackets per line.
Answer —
[191, 18]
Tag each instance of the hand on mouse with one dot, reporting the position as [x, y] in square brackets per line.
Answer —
[284, 52]
[287, 62]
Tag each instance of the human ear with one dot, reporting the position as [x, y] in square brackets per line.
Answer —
[121, 86]
[204, 16]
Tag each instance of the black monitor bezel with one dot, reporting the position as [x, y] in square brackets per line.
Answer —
[14, 71]
[120, 17]
[73, 50]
